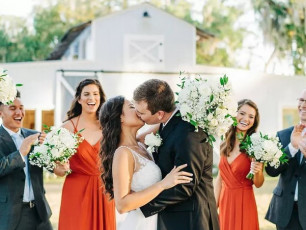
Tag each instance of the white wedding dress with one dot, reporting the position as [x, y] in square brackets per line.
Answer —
[146, 173]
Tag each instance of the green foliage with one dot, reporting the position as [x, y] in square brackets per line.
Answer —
[284, 26]
[220, 19]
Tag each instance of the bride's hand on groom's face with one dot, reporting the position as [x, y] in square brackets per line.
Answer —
[176, 176]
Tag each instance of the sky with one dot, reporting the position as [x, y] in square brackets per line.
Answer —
[16, 7]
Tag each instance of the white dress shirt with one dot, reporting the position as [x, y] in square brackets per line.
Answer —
[28, 194]
[173, 113]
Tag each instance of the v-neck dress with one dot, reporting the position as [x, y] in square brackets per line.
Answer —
[84, 205]
[237, 205]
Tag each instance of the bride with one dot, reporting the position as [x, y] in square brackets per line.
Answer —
[129, 173]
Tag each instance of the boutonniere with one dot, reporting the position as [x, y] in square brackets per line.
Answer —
[153, 141]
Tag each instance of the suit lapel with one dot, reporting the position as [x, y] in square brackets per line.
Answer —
[169, 127]
[7, 141]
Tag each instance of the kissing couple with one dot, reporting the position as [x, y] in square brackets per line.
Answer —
[169, 189]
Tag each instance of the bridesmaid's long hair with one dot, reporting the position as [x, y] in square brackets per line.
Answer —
[110, 120]
[75, 108]
[228, 145]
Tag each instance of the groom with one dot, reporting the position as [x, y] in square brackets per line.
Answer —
[186, 206]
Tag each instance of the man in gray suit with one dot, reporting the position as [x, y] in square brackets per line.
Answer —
[23, 205]
[288, 206]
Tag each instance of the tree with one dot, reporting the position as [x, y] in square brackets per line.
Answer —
[220, 19]
[284, 26]
[55, 17]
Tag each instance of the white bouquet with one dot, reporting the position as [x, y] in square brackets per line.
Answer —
[59, 145]
[8, 89]
[263, 149]
[153, 142]
[209, 105]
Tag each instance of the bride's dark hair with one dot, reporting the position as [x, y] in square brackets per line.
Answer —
[110, 121]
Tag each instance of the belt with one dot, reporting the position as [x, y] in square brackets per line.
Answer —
[30, 204]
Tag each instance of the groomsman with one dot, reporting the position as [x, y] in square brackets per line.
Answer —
[288, 206]
[23, 205]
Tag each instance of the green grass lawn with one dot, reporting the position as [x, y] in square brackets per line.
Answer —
[263, 196]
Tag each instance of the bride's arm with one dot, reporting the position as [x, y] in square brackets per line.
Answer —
[141, 136]
[123, 169]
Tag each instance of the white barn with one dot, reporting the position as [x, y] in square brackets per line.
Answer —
[126, 48]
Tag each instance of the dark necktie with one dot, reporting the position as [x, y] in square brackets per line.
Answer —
[298, 157]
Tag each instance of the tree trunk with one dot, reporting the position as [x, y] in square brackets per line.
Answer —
[270, 59]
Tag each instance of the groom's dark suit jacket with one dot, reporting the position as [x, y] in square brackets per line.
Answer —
[12, 179]
[189, 206]
[281, 205]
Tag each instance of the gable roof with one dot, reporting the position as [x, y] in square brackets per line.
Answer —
[66, 40]
[75, 31]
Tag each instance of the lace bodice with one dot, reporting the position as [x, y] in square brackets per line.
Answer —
[146, 172]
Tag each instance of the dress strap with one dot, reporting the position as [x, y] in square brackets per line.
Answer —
[75, 126]
[139, 160]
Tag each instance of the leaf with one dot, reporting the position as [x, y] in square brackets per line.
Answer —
[189, 115]
[194, 123]
[225, 79]
[212, 138]
[221, 81]
[78, 132]
[211, 98]
[47, 129]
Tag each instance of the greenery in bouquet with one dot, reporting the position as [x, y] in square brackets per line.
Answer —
[59, 145]
[207, 104]
[8, 89]
[263, 148]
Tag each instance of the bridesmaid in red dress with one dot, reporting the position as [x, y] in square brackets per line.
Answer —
[233, 191]
[84, 205]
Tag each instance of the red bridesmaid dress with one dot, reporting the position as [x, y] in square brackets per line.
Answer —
[84, 204]
[237, 205]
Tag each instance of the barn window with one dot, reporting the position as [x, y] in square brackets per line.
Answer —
[143, 51]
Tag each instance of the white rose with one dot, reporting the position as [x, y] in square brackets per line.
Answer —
[8, 89]
[184, 109]
[152, 140]
[55, 152]
[214, 122]
[210, 117]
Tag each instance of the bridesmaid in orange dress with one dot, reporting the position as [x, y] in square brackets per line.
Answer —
[84, 205]
[233, 191]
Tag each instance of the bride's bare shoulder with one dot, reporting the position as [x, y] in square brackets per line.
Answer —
[122, 151]
[123, 157]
